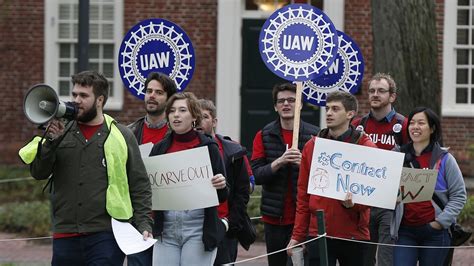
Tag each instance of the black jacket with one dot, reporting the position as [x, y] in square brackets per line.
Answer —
[137, 129]
[274, 185]
[238, 180]
[213, 228]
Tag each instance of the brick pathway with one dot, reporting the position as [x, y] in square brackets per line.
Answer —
[38, 252]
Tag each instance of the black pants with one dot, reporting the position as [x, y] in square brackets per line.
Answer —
[345, 252]
[277, 237]
[226, 251]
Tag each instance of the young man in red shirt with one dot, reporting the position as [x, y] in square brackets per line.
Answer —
[152, 128]
[386, 128]
[275, 165]
[343, 219]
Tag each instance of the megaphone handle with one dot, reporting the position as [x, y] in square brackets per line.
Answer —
[56, 141]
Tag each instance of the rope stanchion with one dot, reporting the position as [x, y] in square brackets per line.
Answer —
[26, 239]
[395, 245]
[274, 252]
[16, 179]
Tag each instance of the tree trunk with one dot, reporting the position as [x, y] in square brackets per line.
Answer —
[405, 45]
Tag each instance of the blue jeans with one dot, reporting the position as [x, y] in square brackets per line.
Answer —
[181, 242]
[93, 249]
[423, 235]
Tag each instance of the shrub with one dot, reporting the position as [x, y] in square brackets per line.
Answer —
[31, 218]
[466, 217]
[253, 209]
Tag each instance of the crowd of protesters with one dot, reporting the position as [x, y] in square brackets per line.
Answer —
[96, 172]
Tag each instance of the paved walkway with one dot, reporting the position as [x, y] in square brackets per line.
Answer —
[38, 252]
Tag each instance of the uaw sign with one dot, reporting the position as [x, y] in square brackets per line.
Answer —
[372, 175]
[298, 42]
[345, 73]
[155, 45]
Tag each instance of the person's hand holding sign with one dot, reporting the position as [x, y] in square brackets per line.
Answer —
[347, 203]
[218, 181]
[292, 155]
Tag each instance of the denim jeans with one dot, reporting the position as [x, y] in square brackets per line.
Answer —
[380, 233]
[181, 242]
[423, 235]
[93, 249]
[277, 237]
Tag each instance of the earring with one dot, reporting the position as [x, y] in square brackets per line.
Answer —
[193, 124]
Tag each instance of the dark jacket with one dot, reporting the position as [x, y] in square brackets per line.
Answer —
[274, 185]
[79, 186]
[213, 228]
[137, 129]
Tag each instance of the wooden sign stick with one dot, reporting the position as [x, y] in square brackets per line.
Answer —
[296, 121]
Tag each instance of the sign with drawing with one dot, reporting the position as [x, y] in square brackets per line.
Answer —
[417, 184]
[181, 180]
[372, 175]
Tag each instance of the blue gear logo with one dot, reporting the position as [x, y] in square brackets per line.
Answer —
[298, 42]
[155, 45]
[345, 73]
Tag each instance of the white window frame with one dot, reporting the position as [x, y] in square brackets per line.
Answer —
[51, 50]
[449, 106]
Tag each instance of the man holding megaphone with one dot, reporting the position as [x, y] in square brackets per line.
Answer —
[95, 170]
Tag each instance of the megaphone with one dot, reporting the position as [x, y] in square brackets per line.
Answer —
[42, 104]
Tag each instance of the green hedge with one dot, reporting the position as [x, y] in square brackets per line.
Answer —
[24, 208]
[31, 218]
[466, 217]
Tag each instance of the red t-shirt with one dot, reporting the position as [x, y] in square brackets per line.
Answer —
[223, 208]
[88, 131]
[382, 133]
[419, 213]
[289, 207]
[153, 135]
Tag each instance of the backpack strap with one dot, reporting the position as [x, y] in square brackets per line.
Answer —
[399, 135]
[441, 166]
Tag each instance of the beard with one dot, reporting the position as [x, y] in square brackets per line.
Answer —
[88, 115]
[160, 109]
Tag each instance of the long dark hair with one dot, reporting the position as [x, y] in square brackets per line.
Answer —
[433, 121]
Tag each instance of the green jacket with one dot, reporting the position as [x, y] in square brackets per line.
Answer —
[81, 182]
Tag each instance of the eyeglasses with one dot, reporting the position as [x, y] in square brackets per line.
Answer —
[289, 100]
[379, 91]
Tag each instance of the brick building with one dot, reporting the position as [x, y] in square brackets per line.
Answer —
[37, 46]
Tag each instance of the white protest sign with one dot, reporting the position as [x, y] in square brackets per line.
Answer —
[145, 149]
[181, 180]
[417, 184]
[372, 175]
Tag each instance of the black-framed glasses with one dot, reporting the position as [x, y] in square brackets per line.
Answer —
[379, 91]
[289, 100]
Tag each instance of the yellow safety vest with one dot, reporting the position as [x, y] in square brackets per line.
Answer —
[118, 202]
